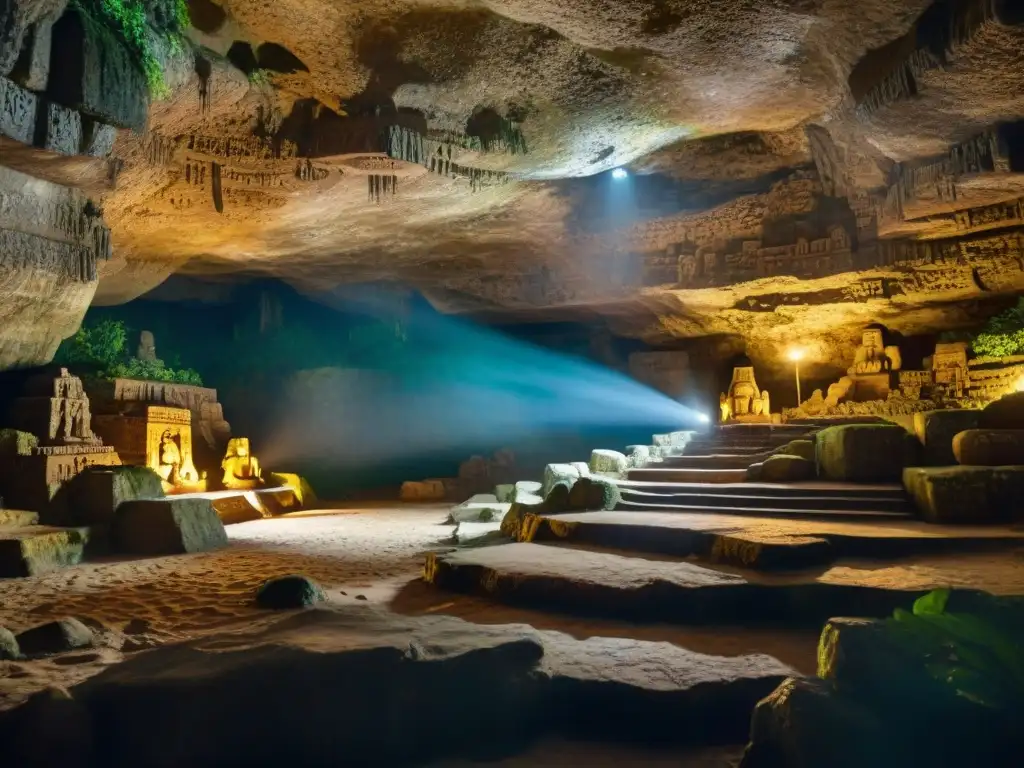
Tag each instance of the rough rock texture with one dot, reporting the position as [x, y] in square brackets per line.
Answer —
[286, 592]
[936, 430]
[1005, 413]
[802, 448]
[95, 495]
[799, 169]
[55, 637]
[167, 527]
[37, 549]
[387, 690]
[8, 645]
[865, 452]
[957, 495]
[989, 447]
[785, 468]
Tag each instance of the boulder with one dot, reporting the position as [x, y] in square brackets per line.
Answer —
[1005, 413]
[989, 447]
[935, 431]
[865, 452]
[603, 461]
[968, 495]
[593, 494]
[8, 645]
[805, 724]
[95, 494]
[558, 473]
[287, 592]
[167, 527]
[639, 455]
[802, 448]
[786, 469]
[55, 637]
[505, 492]
[754, 472]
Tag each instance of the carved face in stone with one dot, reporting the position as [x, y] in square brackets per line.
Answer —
[872, 339]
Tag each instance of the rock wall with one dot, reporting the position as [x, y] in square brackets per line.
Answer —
[51, 238]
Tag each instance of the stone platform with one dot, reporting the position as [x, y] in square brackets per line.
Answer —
[765, 543]
[35, 549]
[591, 582]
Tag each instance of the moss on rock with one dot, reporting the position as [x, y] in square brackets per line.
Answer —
[968, 495]
[167, 527]
[989, 447]
[865, 452]
[935, 430]
[288, 592]
[786, 469]
[801, 448]
[94, 495]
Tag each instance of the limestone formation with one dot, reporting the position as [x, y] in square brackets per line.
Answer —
[782, 191]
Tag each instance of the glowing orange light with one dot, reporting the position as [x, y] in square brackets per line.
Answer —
[1019, 386]
[796, 355]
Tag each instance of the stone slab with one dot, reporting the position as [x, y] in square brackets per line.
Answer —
[18, 109]
[796, 498]
[969, 495]
[382, 689]
[37, 549]
[767, 544]
[601, 584]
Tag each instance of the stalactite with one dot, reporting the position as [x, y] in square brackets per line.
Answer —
[218, 195]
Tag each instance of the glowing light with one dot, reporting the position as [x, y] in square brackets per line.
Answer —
[703, 418]
[796, 355]
[1019, 386]
[619, 174]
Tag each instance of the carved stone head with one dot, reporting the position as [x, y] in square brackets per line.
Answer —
[872, 338]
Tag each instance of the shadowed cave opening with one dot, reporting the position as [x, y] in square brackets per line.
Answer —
[240, 54]
[277, 58]
[206, 15]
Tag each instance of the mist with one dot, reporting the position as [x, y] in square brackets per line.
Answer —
[458, 386]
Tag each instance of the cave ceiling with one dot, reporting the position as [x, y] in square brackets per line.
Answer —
[796, 166]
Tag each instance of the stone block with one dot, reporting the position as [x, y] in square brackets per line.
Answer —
[989, 447]
[14, 442]
[639, 455]
[504, 493]
[935, 430]
[481, 508]
[1005, 413]
[37, 550]
[303, 491]
[593, 494]
[865, 452]
[97, 138]
[422, 490]
[786, 469]
[558, 473]
[18, 108]
[167, 527]
[603, 461]
[95, 73]
[59, 129]
[32, 69]
[55, 637]
[967, 495]
[95, 494]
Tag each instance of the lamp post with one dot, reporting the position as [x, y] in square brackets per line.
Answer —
[796, 355]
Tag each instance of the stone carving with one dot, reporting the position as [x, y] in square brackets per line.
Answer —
[147, 347]
[745, 401]
[157, 437]
[949, 369]
[872, 356]
[241, 468]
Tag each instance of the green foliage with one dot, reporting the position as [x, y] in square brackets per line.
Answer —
[1003, 335]
[977, 655]
[128, 19]
[259, 77]
[102, 347]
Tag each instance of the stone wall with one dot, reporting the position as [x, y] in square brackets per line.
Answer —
[50, 240]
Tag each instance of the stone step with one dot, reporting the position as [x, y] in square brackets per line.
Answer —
[823, 489]
[703, 449]
[697, 476]
[753, 499]
[37, 549]
[17, 518]
[766, 544]
[593, 583]
[713, 460]
[824, 513]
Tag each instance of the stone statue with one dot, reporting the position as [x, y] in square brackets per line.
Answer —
[724, 407]
[873, 356]
[170, 456]
[744, 401]
[147, 347]
[241, 468]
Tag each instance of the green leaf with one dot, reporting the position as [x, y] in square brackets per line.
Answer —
[932, 604]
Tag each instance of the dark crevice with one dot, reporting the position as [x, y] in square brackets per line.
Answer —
[240, 54]
[22, 67]
[206, 16]
[277, 58]
[661, 19]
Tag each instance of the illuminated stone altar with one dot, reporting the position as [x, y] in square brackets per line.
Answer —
[242, 470]
[157, 437]
[55, 411]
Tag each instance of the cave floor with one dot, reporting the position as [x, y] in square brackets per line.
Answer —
[374, 553]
